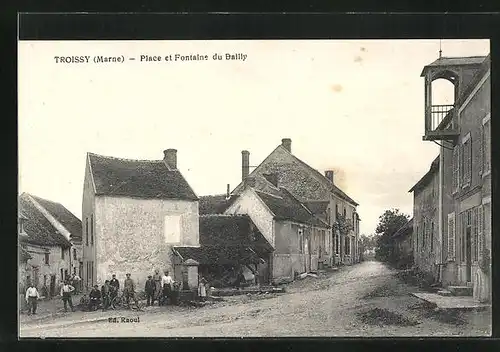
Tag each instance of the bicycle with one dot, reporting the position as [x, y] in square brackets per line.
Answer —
[120, 301]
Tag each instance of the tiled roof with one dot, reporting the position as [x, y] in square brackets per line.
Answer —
[215, 204]
[424, 181]
[293, 173]
[317, 207]
[485, 66]
[286, 207]
[38, 228]
[405, 229]
[64, 216]
[227, 239]
[138, 178]
[454, 61]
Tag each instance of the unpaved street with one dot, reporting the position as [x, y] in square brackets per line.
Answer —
[350, 302]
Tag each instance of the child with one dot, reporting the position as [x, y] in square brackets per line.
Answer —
[202, 290]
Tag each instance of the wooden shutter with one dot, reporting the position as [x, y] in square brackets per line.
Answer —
[469, 164]
[481, 151]
[455, 169]
[451, 236]
[474, 233]
[480, 232]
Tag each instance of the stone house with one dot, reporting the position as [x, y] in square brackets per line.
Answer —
[425, 221]
[317, 191]
[134, 212]
[44, 257]
[403, 245]
[463, 130]
[229, 244]
[299, 240]
[67, 224]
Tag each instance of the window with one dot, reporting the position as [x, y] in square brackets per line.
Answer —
[86, 232]
[486, 146]
[172, 229]
[44, 280]
[74, 253]
[475, 234]
[432, 236]
[47, 258]
[345, 212]
[300, 234]
[91, 229]
[347, 246]
[416, 239]
[62, 253]
[456, 167]
[466, 161]
[423, 235]
[337, 244]
[336, 211]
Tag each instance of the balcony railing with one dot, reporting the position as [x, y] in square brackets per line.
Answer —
[437, 114]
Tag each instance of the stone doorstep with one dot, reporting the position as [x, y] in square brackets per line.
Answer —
[444, 293]
[450, 302]
[460, 290]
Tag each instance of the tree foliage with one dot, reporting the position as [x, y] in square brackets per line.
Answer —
[343, 225]
[389, 222]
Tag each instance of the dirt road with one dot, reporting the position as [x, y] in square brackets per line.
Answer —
[362, 300]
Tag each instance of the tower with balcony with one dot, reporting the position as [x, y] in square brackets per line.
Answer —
[441, 115]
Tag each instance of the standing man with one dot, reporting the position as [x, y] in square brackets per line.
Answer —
[32, 296]
[157, 281]
[66, 291]
[166, 282]
[115, 287]
[76, 283]
[105, 291]
[129, 289]
[150, 290]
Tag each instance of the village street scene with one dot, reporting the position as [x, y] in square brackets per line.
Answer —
[230, 204]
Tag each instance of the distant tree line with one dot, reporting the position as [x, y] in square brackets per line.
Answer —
[389, 223]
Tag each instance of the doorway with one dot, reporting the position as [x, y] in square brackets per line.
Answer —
[468, 253]
[52, 285]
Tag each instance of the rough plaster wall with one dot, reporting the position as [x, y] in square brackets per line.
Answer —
[53, 268]
[284, 265]
[248, 203]
[130, 236]
[426, 205]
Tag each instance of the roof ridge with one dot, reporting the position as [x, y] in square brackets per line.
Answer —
[269, 194]
[126, 159]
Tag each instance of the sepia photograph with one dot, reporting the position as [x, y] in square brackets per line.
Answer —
[254, 188]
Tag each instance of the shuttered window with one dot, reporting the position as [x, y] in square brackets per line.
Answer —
[456, 165]
[451, 236]
[475, 241]
[480, 232]
[467, 160]
[486, 147]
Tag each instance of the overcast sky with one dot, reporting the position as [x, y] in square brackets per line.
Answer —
[353, 106]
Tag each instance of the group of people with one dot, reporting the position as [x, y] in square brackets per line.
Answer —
[161, 288]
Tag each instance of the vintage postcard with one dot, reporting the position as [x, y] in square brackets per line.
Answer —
[254, 188]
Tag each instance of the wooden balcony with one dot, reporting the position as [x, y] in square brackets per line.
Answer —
[437, 118]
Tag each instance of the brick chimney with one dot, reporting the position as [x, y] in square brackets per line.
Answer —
[170, 158]
[228, 192]
[329, 175]
[272, 178]
[287, 144]
[245, 164]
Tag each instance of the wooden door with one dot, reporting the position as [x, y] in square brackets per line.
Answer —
[52, 285]
[468, 253]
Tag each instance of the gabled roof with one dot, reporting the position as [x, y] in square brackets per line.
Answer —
[138, 178]
[485, 66]
[424, 181]
[63, 215]
[215, 204]
[227, 239]
[454, 61]
[38, 228]
[286, 207]
[290, 174]
[405, 229]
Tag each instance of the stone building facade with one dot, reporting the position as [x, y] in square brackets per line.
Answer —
[134, 212]
[313, 189]
[464, 131]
